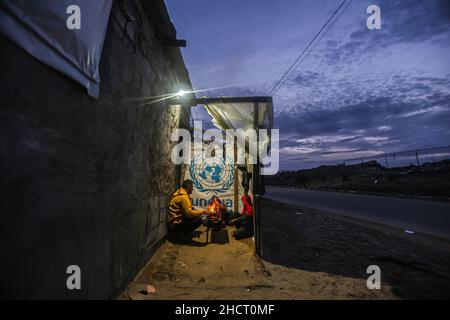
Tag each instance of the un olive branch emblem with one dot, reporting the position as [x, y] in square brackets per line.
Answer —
[199, 186]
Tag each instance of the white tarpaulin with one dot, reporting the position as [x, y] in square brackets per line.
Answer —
[240, 115]
[41, 29]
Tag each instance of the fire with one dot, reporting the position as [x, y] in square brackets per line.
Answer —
[214, 206]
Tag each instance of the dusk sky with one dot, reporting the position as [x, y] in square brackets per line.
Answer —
[360, 92]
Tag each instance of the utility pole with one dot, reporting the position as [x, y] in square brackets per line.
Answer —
[236, 177]
[417, 159]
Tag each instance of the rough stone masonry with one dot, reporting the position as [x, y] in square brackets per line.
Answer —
[83, 181]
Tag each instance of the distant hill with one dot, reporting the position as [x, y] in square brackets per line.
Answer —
[430, 179]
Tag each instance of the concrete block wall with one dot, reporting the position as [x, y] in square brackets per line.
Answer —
[86, 181]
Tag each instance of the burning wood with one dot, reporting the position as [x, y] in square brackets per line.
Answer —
[215, 209]
[215, 206]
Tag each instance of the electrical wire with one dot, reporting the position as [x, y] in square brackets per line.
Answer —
[278, 83]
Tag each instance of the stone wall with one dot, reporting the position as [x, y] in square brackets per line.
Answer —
[86, 181]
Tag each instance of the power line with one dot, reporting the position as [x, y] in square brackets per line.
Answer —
[276, 86]
[304, 50]
[323, 34]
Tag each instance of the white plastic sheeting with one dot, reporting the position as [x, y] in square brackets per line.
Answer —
[39, 27]
[240, 115]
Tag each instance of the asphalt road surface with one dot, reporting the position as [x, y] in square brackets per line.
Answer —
[424, 216]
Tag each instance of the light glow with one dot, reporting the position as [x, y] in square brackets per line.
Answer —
[182, 93]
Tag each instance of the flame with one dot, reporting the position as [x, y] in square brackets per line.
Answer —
[214, 206]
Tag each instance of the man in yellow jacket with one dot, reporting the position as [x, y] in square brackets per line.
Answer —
[182, 217]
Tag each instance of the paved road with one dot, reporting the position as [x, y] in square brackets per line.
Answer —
[425, 216]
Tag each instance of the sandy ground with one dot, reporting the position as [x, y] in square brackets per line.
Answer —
[338, 250]
[306, 255]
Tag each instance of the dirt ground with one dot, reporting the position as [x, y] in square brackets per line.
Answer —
[306, 255]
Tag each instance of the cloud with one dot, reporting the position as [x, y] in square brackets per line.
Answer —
[403, 22]
[433, 109]
[360, 92]
[404, 112]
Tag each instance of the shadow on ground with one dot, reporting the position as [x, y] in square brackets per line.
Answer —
[213, 265]
[416, 267]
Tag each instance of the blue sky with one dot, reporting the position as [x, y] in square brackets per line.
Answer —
[358, 93]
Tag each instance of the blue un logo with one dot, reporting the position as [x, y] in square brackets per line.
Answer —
[212, 174]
